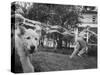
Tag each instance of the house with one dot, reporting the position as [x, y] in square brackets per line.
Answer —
[89, 14]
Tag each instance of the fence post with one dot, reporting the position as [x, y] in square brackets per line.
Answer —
[76, 34]
[87, 36]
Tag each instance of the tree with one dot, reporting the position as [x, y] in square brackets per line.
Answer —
[66, 16]
[55, 14]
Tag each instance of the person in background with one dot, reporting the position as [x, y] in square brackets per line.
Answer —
[81, 45]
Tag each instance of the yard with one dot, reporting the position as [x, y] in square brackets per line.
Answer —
[52, 18]
[57, 60]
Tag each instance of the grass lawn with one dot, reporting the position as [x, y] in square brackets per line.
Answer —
[54, 60]
[48, 61]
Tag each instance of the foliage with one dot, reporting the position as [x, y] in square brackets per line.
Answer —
[55, 14]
